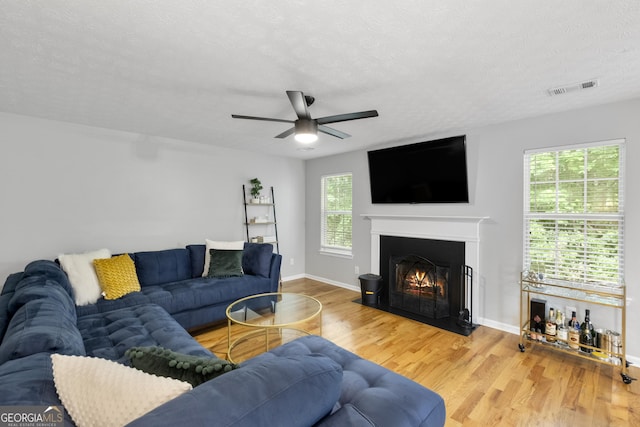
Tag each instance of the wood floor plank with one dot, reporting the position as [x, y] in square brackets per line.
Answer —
[484, 378]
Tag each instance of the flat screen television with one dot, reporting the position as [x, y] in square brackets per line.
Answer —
[424, 172]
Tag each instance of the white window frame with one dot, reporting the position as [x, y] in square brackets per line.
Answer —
[617, 279]
[326, 248]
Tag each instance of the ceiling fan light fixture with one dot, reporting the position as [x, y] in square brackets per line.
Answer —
[305, 128]
[306, 138]
[306, 131]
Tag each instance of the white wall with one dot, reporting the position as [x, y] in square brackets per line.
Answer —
[72, 188]
[495, 163]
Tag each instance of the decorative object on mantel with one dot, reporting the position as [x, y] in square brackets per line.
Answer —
[256, 187]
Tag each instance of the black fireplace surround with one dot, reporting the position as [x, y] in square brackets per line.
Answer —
[439, 302]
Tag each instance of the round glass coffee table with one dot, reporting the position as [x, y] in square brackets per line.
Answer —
[265, 321]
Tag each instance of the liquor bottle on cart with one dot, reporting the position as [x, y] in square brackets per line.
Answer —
[587, 333]
[562, 333]
[574, 332]
[550, 327]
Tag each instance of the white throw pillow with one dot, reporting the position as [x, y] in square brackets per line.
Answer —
[212, 244]
[101, 392]
[82, 274]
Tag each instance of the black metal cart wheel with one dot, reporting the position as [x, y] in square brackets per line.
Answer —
[626, 378]
[521, 347]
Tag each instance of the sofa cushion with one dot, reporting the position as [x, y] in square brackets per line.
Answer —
[157, 267]
[193, 294]
[101, 392]
[348, 415]
[110, 334]
[29, 381]
[82, 275]
[196, 255]
[38, 272]
[290, 391]
[41, 325]
[117, 276]
[256, 258]
[104, 305]
[225, 263]
[4, 313]
[184, 367]
[43, 315]
[46, 322]
[8, 290]
[10, 284]
[368, 389]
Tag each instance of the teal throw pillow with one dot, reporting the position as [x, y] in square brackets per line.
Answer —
[184, 367]
[225, 263]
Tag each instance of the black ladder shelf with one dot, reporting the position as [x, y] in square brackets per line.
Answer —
[271, 222]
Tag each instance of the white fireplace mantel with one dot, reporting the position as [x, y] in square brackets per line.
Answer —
[454, 228]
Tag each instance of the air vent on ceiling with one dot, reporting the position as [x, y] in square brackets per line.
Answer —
[574, 87]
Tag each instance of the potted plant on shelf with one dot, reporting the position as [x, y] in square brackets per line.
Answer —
[256, 187]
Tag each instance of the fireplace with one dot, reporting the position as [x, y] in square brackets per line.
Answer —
[419, 286]
[427, 265]
[426, 280]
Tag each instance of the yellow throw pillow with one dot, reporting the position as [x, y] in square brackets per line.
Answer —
[117, 276]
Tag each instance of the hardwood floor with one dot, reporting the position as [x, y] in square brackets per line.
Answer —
[484, 378]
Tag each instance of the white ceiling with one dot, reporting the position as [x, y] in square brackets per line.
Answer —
[180, 68]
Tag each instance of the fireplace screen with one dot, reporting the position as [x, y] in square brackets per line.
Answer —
[420, 286]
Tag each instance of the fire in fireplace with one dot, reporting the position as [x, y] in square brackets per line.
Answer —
[419, 286]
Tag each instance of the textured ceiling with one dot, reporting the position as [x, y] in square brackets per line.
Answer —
[179, 69]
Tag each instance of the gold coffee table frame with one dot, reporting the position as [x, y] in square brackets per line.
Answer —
[270, 311]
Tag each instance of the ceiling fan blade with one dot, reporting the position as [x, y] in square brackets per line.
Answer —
[345, 117]
[299, 104]
[286, 133]
[333, 132]
[266, 119]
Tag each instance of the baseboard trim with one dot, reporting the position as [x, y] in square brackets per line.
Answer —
[294, 277]
[333, 282]
[633, 360]
[499, 326]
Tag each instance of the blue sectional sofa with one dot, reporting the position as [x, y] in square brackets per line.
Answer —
[307, 382]
[173, 280]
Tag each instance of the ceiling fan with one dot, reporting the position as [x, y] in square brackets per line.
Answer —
[305, 128]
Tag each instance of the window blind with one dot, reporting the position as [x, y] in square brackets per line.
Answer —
[574, 213]
[336, 207]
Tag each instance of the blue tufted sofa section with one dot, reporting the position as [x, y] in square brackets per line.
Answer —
[172, 279]
[370, 395]
[307, 382]
[109, 335]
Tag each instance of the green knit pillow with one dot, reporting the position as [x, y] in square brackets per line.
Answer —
[184, 367]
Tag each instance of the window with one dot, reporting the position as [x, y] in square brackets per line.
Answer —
[574, 213]
[336, 214]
